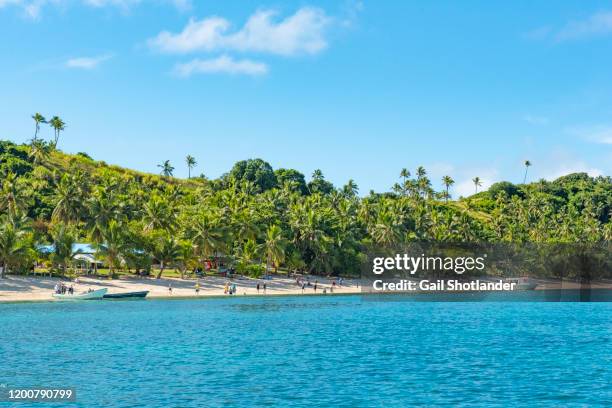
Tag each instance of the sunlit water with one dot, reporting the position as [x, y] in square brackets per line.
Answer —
[311, 351]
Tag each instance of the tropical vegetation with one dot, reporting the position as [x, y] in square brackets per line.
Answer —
[260, 219]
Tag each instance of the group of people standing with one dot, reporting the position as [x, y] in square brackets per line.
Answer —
[229, 288]
[62, 289]
[304, 283]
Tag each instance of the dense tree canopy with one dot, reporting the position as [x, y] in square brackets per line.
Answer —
[261, 219]
[255, 171]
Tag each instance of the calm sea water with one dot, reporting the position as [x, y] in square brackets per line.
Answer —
[311, 351]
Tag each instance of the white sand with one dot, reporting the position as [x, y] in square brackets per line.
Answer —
[22, 288]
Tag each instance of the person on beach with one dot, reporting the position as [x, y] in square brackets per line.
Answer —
[233, 288]
[265, 287]
[170, 288]
[303, 287]
[257, 287]
[197, 288]
[315, 286]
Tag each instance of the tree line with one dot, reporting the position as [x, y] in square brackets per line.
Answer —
[258, 218]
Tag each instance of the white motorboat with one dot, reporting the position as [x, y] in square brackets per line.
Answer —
[94, 294]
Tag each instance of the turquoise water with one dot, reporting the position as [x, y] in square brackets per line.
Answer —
[311, 351]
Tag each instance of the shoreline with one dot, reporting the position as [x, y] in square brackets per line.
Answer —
[28, 289]
[18, 289]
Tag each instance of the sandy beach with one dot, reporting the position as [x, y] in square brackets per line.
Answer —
[27, 288]
[24, 288]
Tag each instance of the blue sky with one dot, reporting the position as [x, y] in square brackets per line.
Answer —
[359, 89]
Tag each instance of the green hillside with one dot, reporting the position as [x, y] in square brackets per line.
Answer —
[255, 215]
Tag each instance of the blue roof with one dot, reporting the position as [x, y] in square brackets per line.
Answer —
[84, 248]
[80, 247]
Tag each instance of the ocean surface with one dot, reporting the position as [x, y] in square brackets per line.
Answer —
[319, 351]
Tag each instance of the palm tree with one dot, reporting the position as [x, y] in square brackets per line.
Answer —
[39, 151]
[387, 229]
[13, 248]
[317, 175]
[186, 257]
[58, 126]
[422, 182]
[69, 205]
[447, 181]
[404, 174]
[101, 209]
[191, 163]
[38, 119]
[114, 247]
[63, 244]
[477, 183]
[350, 189]
[166, 251]
[248, 252]
[167, 168]
[12, 197]
[275, 247]
[527, 164]
[158, 214]
[207, 236]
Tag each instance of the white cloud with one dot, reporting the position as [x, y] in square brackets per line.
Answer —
[223, 64]
[438, 170]
[536, 120]
[300, 33]
[33, 8]
[569, 168]
[116, 3]
[87, 62]
[596, 134]
[352, 9]
[4, 3]
[466, 187]
[597, 24]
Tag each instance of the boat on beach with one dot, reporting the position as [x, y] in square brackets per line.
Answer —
[93, 295]
[523, 283]
[127, 295]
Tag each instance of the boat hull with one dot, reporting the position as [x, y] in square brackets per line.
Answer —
[96, 294]
[129, 295]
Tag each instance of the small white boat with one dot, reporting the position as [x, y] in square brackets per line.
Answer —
[95, 294]
[522, 283]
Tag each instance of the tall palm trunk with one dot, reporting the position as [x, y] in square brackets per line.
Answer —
[161, 270]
